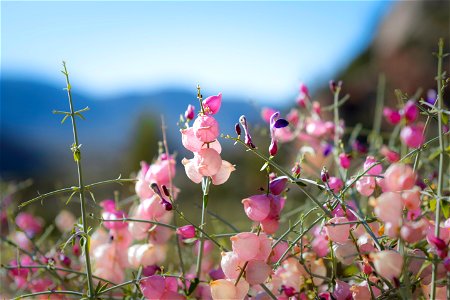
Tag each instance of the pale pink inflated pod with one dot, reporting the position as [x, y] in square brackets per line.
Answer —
[257, 207]
[366, 185]
[411, 198]
[265, 247]
[212, 104]
[345, 252]
[336, 232]
[250, 246]
[376, 169]
[206, 128]
[257, 272]
[270, 225]
[399, 177]
[160, 235]
[278, 251]
[388, 263]
[191, 170]
[192, 143]
[223, 174]
[161, 171]
[413, 232]
[65, 221]
[208, 162]
[389, 207]
[231, 264]
[146, 254]
[225, 289]
[412, 135]
[153, 287]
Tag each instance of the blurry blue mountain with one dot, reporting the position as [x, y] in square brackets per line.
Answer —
[31, 136]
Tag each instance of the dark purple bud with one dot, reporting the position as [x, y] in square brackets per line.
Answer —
[332, 84]
[248, 139]
[325, 296]
[288, 291]
[359, 147]
[76, 250]
[278, 185]
[431, 97]
[216, 274]
[327, 149]
[273, 148]
[165, 190]
[324, 175]
[65, 260]
[237, 128]
[150, 270]
[189, 114]
[167, 205]
[296, 169]
[280, 123]
[437, 242]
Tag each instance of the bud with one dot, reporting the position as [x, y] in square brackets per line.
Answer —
[273, 148]
[392, 116]
[410, 111]
[212, 104]
[165, 190]
[344, 160]
[277, 185]
[248, 139]
[237, 128]
[288, 291]
[324, 175]
[150, 270]
[167, 205]
[296, 169]
[186, 232]
[190, 112]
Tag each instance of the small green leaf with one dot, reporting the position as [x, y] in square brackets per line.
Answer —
[350, 271]
[445, 209]
[435, 154]
[433, 204]
[264, 166]
[444, 119]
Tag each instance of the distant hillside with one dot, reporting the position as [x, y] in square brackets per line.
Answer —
[32, 137]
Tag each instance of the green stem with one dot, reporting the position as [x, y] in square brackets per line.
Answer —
[81, 187]
[206, 181]
[440, 182]
[49, 293]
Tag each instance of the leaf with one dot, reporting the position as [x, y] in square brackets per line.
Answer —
[444, 119]
[350, 271]
[433, 204]
[264, 166]
[280, 123]
[445, 209]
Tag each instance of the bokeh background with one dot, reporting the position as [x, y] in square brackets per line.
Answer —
[133, 62]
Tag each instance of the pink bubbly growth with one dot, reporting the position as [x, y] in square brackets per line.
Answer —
[388, 264]
[335, 184]
[212, 104]
[186, 232]
[248, 246]
[206, 128]
[390, 155]
[111, 213]
[412, 135]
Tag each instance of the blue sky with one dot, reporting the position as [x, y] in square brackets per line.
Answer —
[256, 50]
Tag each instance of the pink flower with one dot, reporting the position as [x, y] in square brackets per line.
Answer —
[335, 184]
[250, 246]
[411, 198]
[389, 207]
[65, 221]
[390, 155]
[392, 116]
[412, 135]
[344, 160]
[192, 143]
[225, 289]
[388, 263]
[278, 251]
[266, 113]
[257, 207]
[207, 162]
[342, 290]
[399, 177]
[158, 287]
[206, 128]
[366, 185]
[212, 104]
[186, 232]
[29, 224]
[413, 232]
[410, 111]
[146, 255]
[370, 164]
[224, 173]
[257, 272]
[110, 213]
[336, 232]
[231, 264]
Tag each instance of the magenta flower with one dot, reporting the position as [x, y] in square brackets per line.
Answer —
[186, 232]
[344, 160]
[275, 123]
[392, 116]
[29, 224]
[189, 114]
[412, 135]
[206, 128]
[212, 104]
[410, 111]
